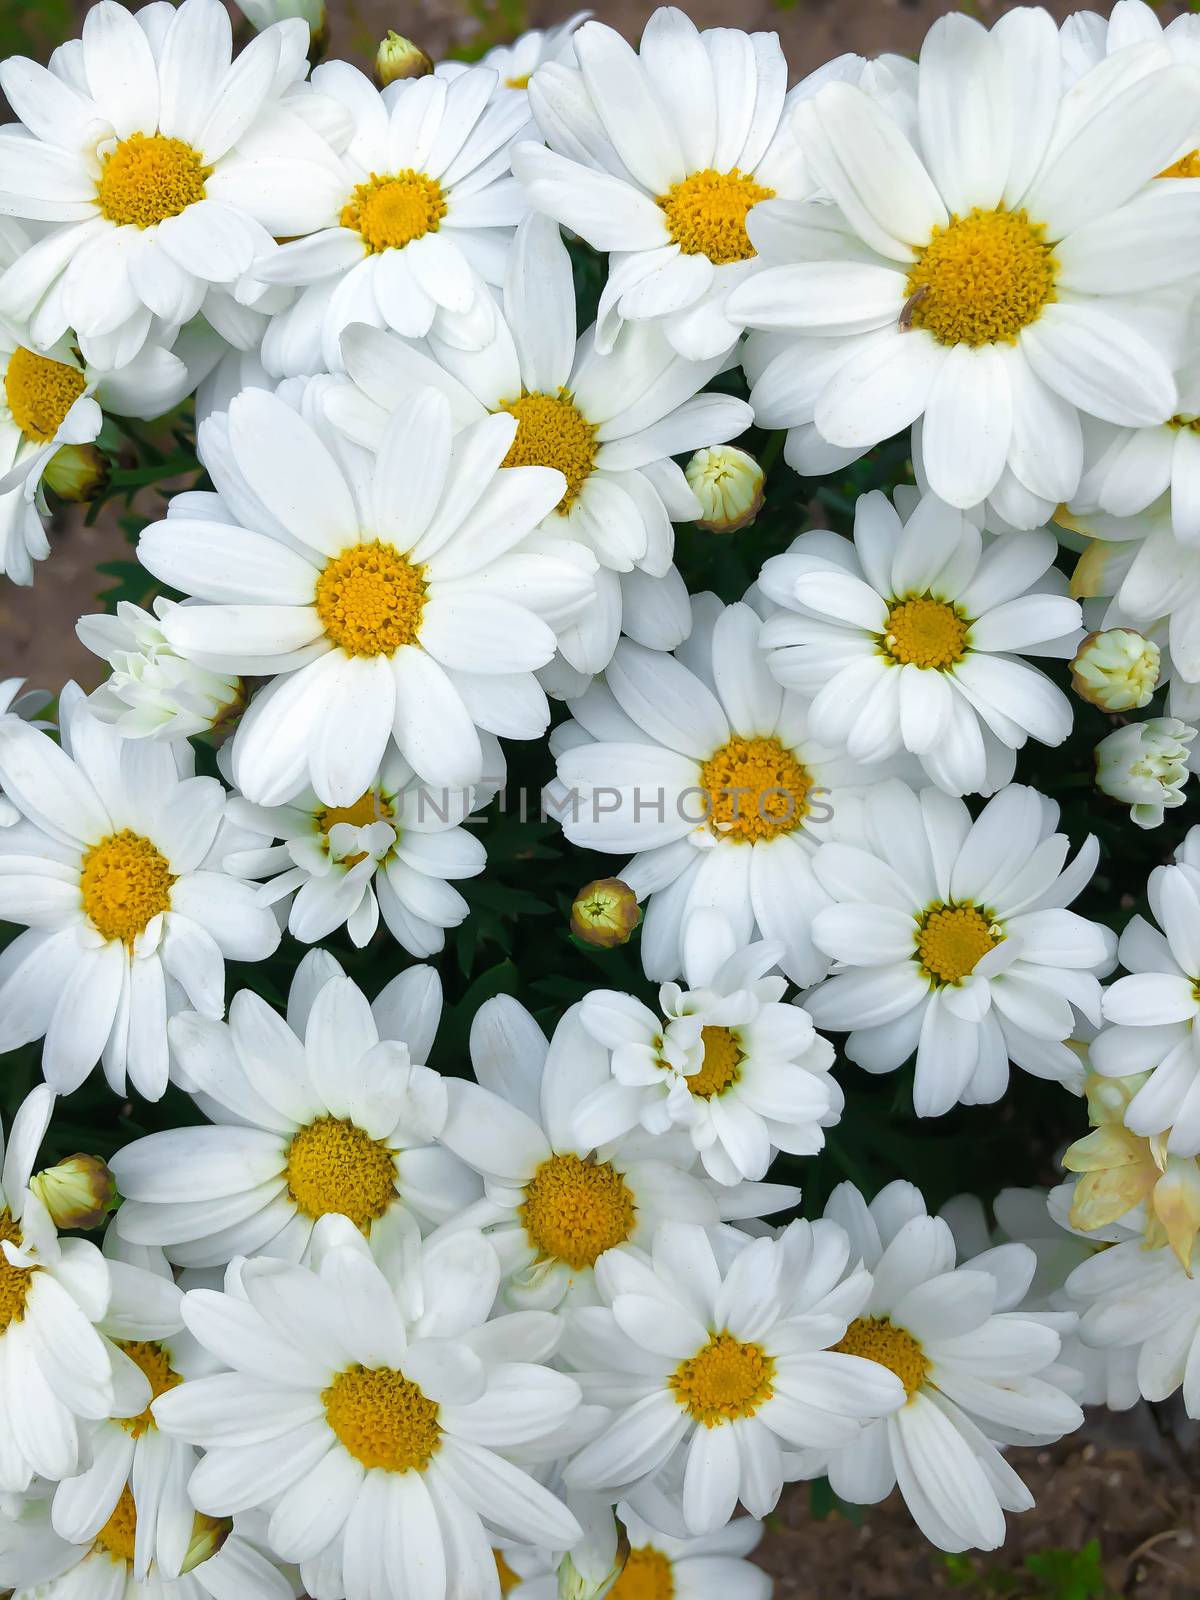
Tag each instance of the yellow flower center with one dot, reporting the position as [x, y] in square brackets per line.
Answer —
[575, 1210]
[117, 1537]
[982, 278]
[924, 633]
[383, 1419]
[40, 392]
[508, 1578]
[1187, 166]
[552, 432]
[368, 808]
[333, 1166]
[755, 788]
[370, 599]
[148, 178]
[14, 1281]
[875, 1339]
[706, 214]
[952, 940]
[392, 211]
[125, 882]
[722, 1066]
[646, 1575]
[521, 82]
[724, 1381]
[150, 1356]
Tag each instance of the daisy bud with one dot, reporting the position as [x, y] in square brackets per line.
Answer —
[1146, 765]
[265, 13]
[605, 913]
[1116, 670]
[398, 57]
[78, 472]
[729, 486]
[208, 1536]
[78, 1193]
[574, 1584]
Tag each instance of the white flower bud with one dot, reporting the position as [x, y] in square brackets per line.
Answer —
[1146, 765]
[398, 57]
[78, 1193]
[263, 13]
[1116, 670]
[729, 486]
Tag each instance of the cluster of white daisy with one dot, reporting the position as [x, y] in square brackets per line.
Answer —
[368, 1332]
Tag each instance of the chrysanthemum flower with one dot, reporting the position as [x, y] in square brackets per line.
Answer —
[115, 869]
[911, 637]
[952, 938]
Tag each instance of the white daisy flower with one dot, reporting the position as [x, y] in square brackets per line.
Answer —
[976, 1372]
[994, 273]
[370, 1406]
[1145, 766]
[952, 938]
[115, 870]
[164, 164]
[396, 850]
[709, 770]
[26, 706]
[610, 423]
[911, 637]
[55, 1370]
[1155, 1012]
[1088, 37]
[517, 62]
[385, 597]
[745, 1075]
[415, 215]
[560, 1189]
[724, 1362]
[328, 1111]
[657, 155]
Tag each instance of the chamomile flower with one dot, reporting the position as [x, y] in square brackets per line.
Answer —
[163, 164]
[709, 771]
[952, 938]
[369, 1406]
[610, 423]
[744, 1074]
[55, 1371]
[725, 1363]
[385, 598]
[988, 284]
[328, 1111]
[560, 1187]
[115, 869]
[976, 1372]
[912, 637]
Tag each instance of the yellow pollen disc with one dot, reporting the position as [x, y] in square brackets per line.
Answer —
[508, 1578]
[575, 1210]
[1180, 421]
[724, 1381]
[368, 808]
[952, 940]
[924, 633]
[14, 1281]
[755, 789]
[370, 599]
[333, 1166]
[390, 212]
[982, 278]
[117, 1535]
[706, 214]
[521, 82]
[149, 178]
[552, 432]
[722, 1065]
[875, 1339]
[646, 1575]
[151, 1358]
[382, 1419]
[125, 882]
[40, 392]
[1187, 166]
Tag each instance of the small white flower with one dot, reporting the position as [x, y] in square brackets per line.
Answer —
[728, 483]
[1145, 766]
[517, 62]
[1117, 669]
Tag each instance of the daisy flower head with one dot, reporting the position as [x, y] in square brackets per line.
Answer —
[55, 1371]
[384, 596]
[562, 1184]
[115, 870]
[724, 1364]
[709, 771]
[416, 212]
[517, 62]
[1088, 37]
[371, 1407]
[609, 422]
[330, 1110]
[977, 1372]
[977, 273]
[743, 1073]
[163, 165]
[911, 637]
[951, 938]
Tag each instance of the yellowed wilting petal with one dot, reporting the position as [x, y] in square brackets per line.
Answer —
[1177, 1207]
